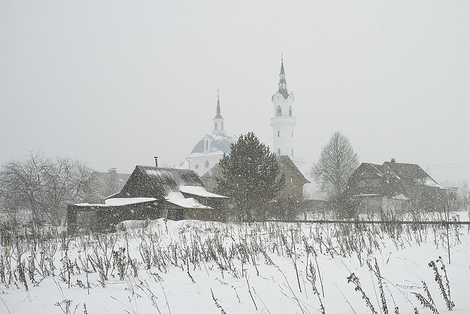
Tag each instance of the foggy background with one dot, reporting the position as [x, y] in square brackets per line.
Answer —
[114, 83]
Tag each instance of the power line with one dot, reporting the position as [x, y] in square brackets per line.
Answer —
[449, 167]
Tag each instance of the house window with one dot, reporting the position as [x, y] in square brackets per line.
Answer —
[361, 184]
[207, 163]
[279, 111]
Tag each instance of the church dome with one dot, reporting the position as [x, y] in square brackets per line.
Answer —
[218, 142]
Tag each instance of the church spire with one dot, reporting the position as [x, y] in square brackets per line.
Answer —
[218, 120]
[218, 107]
[282, 80]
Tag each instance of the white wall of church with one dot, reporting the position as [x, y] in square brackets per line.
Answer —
[283, 124]
[201, 163]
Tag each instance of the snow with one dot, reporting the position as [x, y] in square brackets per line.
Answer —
[120, 201]
[128, 201]
[400, 197]
[199, 190]
[153, 172]
[430, 182]
[266, 273]
[178, 199]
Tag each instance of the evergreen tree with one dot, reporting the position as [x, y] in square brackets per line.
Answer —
[251, 176]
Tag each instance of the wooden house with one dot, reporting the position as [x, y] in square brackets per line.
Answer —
[395, 186]
[101, 185]
[150, 193]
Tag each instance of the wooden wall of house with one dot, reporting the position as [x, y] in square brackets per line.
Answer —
[100, 218]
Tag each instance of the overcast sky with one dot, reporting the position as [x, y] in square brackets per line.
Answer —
[114, 83]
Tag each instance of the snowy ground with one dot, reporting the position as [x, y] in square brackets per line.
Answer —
[208, 267]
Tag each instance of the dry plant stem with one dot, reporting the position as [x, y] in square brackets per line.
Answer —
[294, 298]
[311, 276]
[445, 276]
[424, 302]
[217, 305]
[319, 273]
[249, 292]
[347, 301]
[376, 271]
[166, 299]
[294, 260]
[437, 277]
[355, 280]
[265, 307]
[5, 305]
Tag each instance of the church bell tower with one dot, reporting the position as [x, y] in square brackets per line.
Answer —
[283, 122]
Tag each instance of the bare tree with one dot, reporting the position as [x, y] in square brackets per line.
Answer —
[336, 164]
[42, 186]
[463, 196]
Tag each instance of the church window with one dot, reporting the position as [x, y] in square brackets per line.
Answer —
[207, 163]
[222, 124]
[196, 166]
[278, 133]
[279, 152]
[292, 152]
[215, 125]
[292, 133]
[290, 111]
[207, 144]
[279, 111]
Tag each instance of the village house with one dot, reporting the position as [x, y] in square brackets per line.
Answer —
[151, 193]
[101, 185]
[393, 187]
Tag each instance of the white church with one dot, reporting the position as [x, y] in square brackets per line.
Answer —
[211, 148]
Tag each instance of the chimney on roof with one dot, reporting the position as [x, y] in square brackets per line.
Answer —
[113, 180]
[156, 161]
[392, 160]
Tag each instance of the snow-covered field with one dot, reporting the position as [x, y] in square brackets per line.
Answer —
[208, 267]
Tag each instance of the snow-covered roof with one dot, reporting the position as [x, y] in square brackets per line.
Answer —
[127, 201]
[120, 201]
[152, 183]
[200, 191]
[367, 195]
[220, 142]
[400, 197]
[178, 199]
[430, 182]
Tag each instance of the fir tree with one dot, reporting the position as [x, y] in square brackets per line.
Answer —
[251, 176]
